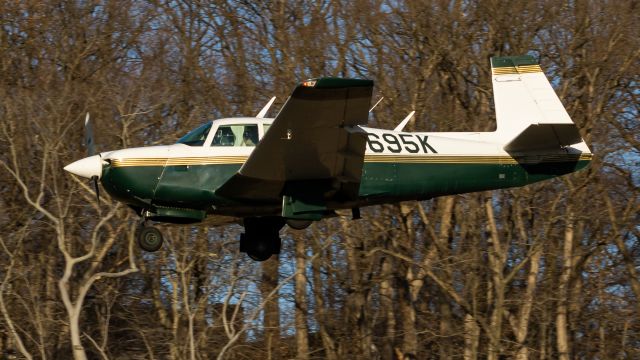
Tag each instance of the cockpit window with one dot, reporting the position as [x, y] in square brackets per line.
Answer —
[197, 136]
[236, 135]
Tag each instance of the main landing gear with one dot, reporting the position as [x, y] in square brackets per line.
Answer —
[149, 238]
[261, 237]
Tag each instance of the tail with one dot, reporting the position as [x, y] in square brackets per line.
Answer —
[529, 114]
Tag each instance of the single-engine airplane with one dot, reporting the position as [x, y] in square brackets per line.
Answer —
[317, 156]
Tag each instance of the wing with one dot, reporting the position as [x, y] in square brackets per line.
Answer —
[314, 142]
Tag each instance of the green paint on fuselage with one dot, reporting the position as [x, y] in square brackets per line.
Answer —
[194, 186]
[181, 186]
[132, 185]
[423, 181]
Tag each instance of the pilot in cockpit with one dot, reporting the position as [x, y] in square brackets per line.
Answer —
[250, 136]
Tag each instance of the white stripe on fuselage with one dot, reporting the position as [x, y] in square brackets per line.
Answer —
[380, 142]
[177, 151]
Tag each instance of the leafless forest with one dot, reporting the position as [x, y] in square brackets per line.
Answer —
[548, 271]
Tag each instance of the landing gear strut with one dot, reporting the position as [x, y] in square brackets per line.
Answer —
[261, 238]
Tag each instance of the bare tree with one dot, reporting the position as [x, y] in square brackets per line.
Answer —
[546, 271]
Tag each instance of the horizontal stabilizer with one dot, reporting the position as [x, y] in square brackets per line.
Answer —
[544, 137]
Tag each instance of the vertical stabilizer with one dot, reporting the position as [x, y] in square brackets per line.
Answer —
[529, 114]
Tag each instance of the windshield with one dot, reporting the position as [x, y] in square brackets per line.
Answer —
[197, 136]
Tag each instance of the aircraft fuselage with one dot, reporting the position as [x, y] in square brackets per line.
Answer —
[397, 166]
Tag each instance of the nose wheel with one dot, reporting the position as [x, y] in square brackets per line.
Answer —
[149, 238]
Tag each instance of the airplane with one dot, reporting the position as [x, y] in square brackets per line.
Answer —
[317, 157]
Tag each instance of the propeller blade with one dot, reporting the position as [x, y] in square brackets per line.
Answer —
[96, 187]
[88, 136]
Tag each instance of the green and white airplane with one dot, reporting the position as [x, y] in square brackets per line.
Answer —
[317, 156]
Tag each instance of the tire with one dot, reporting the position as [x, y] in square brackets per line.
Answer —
[259, 256]
[261, 238]
[150, 239]
[298, 224]
[262, 249]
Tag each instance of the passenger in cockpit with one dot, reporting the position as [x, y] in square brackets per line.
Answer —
[250, 136]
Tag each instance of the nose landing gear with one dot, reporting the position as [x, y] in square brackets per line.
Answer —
[149, 238]
[262, 237]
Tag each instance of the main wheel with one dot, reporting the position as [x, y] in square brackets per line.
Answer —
[260, 248]
[259, 256]
[298, 224]
[150, 239]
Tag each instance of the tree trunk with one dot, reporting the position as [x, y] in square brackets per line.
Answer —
[527, 304]
[407, 316]
[320, 309]
[562, 337]
[471, 336]
[387, 304]
[446, 352]
[357, 299]
[302, 340]
[271, 308]
[497, 258]
[74, 328]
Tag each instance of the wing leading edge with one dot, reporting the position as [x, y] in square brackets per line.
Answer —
[313, 150]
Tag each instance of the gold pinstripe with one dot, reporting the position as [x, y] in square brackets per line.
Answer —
[523, 69]
[475, 159]
[405, 159]
[179, 161]
[438, 159]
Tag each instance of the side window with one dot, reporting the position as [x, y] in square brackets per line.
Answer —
[265, 128]
[250, 135]
[236, 135]
[197, 136]
[224, 136]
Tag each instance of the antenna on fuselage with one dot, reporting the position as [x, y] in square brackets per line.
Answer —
[264, 110]
[404, 122]
[376, 104]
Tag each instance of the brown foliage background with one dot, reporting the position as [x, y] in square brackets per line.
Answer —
[546, 271]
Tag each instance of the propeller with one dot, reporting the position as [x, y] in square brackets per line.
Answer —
[95, 186]
[88, 136]
[91, 149]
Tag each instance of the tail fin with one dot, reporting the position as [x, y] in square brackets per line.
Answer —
[529, 114]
